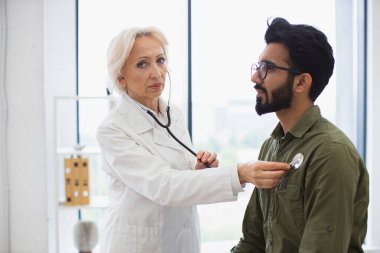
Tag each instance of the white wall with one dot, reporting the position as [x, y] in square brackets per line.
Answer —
[373, 133]
[4, 238]
[59, 34]
[25, 141]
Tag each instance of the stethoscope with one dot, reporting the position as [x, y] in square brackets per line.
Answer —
[167, 125]
[297, 161]
[294, 165]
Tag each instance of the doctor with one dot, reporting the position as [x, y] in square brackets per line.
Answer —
[155, 182]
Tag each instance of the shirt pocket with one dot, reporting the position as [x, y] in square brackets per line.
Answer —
[293, 192]
[136, 239]
[295, 205]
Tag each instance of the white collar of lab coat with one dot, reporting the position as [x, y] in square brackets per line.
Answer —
[132, 117]
[162, 105]
[133, 112]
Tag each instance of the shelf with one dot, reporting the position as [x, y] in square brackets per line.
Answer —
[96, 202]
[67, 112]
[90, 150]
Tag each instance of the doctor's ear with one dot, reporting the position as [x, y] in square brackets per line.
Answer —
[302, 81]
[122, 82]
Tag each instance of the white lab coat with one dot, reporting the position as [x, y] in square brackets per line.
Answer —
[153, 185]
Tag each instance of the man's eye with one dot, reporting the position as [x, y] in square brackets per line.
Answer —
[270, 66]
[263, 67]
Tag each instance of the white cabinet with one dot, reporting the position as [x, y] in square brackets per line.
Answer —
[76, 121]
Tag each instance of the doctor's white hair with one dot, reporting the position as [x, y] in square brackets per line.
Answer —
[120, 47]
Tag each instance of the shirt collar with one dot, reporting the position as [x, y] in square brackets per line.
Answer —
[302, 126]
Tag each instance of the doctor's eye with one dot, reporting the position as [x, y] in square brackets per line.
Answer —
[142, 64]
[161, 60]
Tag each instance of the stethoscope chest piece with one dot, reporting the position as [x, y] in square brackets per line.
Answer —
[297, 161]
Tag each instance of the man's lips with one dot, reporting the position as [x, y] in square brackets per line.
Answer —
[259, 89]
[259, 93]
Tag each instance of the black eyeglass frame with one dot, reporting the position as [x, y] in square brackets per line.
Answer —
[269, 65]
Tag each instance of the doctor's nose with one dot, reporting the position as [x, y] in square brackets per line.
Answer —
[157, 71]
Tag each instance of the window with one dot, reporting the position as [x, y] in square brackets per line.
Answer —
[227, 37]
[99, 21]
[224, 116]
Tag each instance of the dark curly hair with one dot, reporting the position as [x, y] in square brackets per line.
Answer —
[309, 51]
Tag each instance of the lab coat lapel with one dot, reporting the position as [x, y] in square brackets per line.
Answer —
[163, 138]
[136, 119]
[133, 117]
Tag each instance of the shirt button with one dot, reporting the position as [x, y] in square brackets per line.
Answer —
[329, 228]
[187, 226]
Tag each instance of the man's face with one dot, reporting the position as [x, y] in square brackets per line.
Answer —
[275, 92]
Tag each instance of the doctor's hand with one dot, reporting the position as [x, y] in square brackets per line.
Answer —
[205, 157]
[262, 174]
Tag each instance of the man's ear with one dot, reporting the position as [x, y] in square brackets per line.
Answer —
[302, 82]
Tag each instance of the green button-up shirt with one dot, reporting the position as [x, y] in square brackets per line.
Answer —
[319, 207]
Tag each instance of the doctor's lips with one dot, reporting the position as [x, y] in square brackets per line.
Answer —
[156, 85]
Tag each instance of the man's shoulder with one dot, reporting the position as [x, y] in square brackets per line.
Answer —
[328, 132]
[326, 137]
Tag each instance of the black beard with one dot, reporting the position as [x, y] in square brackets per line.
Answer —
[281, 98]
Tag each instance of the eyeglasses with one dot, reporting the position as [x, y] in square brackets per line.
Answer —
[263, 67]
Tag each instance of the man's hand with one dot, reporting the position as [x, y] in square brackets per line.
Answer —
[262, 174]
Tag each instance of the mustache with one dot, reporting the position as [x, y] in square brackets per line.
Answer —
[260, 87]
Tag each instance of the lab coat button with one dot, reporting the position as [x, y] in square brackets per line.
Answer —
[329, 228]
[187, 225]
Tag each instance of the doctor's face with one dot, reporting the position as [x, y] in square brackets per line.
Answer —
[143, 73]
[274, 92]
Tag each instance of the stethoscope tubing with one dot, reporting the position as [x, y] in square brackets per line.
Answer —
[167, 125]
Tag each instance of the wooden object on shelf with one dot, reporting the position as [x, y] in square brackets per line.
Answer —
[69, 180]
[84, 182]
[77, 188]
